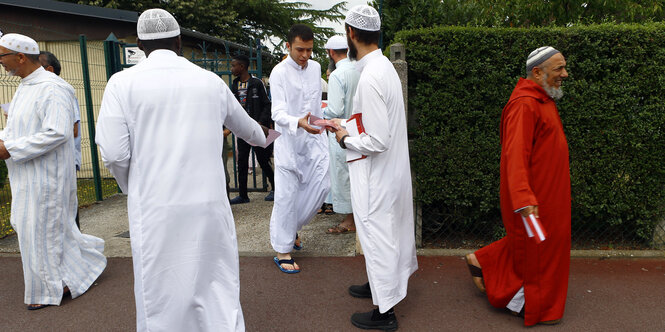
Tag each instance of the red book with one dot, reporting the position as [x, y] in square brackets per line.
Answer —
[354, 125]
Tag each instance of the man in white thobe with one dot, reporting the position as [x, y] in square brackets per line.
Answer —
[341, 89]
[381, 182]
[301, 153]
[160, 131]
[38, 146]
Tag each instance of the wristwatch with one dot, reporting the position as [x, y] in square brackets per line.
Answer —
[341, 141]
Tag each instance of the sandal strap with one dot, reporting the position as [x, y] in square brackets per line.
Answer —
[475, 271]
[285, 261]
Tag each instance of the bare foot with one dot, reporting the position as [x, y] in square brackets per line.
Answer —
[289, 267]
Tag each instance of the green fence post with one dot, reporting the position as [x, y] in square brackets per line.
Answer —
[91, 117]
[111, 55]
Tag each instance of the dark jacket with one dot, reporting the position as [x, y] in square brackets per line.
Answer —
[258, 104]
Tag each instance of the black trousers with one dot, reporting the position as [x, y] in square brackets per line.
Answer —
[263, 156]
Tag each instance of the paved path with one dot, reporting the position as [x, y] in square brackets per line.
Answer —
[604, 295]
[109, 218]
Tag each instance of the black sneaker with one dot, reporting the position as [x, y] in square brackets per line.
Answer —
[271, 196]
[374, 320]
[239, 200]
[361, 291]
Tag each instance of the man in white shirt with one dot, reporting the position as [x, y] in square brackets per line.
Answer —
[341, 89]
[301, 153]
[38, 146]
[381, 182]
[160, 132]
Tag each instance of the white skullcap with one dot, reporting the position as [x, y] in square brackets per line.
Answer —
[363, 17]
[539, 56]
[19, 43]
[336, 43]
[157, 23]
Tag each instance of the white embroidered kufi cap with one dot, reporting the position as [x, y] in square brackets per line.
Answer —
[336, 43]
[19, 43]
[157, 23]
[363, 17]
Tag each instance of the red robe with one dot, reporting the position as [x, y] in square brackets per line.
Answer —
[534, 171]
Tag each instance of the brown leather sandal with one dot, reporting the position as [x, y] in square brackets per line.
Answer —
[339, 229]
[328, 209]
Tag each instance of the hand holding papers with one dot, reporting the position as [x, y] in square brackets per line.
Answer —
[5, 108]
[304, 123]
[354, 125]
[272, 136]
[325, 124]
[534, 228]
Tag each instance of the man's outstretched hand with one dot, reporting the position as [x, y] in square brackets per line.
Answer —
[304, 124]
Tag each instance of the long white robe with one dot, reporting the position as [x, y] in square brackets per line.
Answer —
[40, 140]
[301, 159]
[381, 183]
[160, 131]
[341, 89]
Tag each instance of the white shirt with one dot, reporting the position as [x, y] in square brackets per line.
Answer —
[342, 87]
[40, 141]
[160, 132]
[301, 159]
[381, 189]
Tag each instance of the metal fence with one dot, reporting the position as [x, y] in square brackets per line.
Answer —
[441, 228]
[73, 64]
[218, 61]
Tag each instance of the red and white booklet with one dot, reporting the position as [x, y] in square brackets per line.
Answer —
[354, 126]
[534, 228]
[322, 123]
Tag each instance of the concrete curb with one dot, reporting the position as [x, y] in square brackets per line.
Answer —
[573, 253]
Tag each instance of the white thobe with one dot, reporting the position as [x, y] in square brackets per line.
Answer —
[381, 183]
[341, 89]
[301, 159]
[160, 131]
[40, 140]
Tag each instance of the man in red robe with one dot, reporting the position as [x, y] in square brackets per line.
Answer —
[519, 272]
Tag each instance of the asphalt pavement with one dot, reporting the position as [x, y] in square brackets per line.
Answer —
[604, 295]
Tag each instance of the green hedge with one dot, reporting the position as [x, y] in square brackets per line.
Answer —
[613, 113]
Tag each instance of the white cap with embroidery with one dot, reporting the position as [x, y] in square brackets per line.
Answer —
[19, 43]
[157, 23]
[364, 17]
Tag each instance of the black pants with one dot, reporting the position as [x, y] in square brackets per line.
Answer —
[263, 155]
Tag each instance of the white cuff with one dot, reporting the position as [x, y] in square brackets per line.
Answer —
[522, 208]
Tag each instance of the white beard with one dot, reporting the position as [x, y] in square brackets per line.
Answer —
[554, 93]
